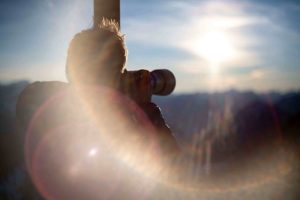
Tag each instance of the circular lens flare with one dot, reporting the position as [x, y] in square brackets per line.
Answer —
[72, 154]
[82, 144]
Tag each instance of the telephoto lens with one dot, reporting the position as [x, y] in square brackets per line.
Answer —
[162, 81]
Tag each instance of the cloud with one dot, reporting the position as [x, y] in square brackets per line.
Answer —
[264, 40]
[255, 32]
[185, 24]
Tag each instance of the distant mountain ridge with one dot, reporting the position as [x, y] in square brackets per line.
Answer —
[185, 113]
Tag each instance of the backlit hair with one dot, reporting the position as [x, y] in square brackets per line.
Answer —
[96, 55]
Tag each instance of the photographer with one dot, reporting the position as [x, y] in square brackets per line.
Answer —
[97, 57]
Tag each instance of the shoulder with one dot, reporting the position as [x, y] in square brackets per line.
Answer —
[33, 96]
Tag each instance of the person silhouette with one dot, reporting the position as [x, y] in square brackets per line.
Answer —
[98, 56]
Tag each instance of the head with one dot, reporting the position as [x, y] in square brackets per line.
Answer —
[97, 56]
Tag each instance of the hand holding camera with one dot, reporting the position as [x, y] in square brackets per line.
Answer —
[141, 85]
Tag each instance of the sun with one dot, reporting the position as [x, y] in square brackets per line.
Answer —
[216, 47]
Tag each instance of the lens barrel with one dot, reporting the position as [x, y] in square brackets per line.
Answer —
[162, 81]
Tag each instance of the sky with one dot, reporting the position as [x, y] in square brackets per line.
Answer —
[210, 45]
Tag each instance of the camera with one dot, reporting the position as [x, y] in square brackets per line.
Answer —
[140, 85]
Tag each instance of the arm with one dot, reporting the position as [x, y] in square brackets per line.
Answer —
[167, 141]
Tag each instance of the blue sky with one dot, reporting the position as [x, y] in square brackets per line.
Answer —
[210, 45]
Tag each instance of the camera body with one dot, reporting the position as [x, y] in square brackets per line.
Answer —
[140, 85]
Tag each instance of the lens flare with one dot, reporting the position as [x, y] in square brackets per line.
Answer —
[82, 144]
[93, 152]
[86, 146]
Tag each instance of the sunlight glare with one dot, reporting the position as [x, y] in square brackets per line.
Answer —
[216, 47]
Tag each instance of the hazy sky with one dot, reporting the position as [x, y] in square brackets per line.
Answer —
[209, 45]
